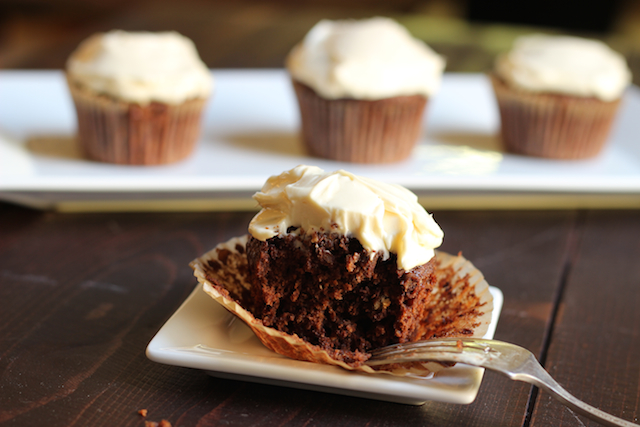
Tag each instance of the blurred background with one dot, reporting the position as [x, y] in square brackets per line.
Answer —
[38, 34]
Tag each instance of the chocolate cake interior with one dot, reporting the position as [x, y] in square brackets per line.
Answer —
[331, 292]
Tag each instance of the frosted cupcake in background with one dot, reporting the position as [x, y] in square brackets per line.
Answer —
[139, 96]
[558, 95]
[362, 87]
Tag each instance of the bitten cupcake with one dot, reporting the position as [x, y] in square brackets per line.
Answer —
[362, 88]
[336, 265]
[139, 96]
[558, 95]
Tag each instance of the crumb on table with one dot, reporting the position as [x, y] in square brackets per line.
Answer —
[163, 423]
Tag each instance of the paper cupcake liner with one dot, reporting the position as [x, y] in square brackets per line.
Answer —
[127, 133]
[552, 125]
[461, 305]
[360, 131]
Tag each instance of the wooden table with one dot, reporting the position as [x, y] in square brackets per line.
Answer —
[83, 294]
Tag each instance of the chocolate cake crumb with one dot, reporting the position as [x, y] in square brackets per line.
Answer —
[331, 292]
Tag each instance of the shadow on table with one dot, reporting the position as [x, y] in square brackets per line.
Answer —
[288, 144]
[61, 147]
[66, 147]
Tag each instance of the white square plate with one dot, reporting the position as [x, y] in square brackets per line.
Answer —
[202, 334]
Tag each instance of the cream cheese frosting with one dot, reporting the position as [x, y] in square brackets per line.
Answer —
[566, 65]
[369, 59]
[141, 67]
[385, 218]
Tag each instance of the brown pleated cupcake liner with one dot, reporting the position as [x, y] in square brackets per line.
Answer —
[552, 125]
[360, 131]
[125, 133]
[461, 305]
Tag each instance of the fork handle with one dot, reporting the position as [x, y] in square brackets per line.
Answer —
[539, 377]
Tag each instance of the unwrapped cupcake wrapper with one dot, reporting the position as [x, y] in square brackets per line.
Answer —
[461, 305]
[552, 125]
[120, 132]
[360, 131]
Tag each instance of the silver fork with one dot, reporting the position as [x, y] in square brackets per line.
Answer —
[511, 360]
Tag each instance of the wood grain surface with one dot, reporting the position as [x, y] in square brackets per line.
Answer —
[594, 350]
[83, 294]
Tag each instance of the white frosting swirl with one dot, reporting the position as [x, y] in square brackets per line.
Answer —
[383, 217]
[141, 67]
[369, 59]
[566, 65]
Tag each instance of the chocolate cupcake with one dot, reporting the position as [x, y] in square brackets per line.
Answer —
[139, 97]
[558, 95]
[362, 88]
[337, 265]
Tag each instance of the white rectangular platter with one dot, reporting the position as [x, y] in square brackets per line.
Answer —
[202, 334]
[251, 132]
